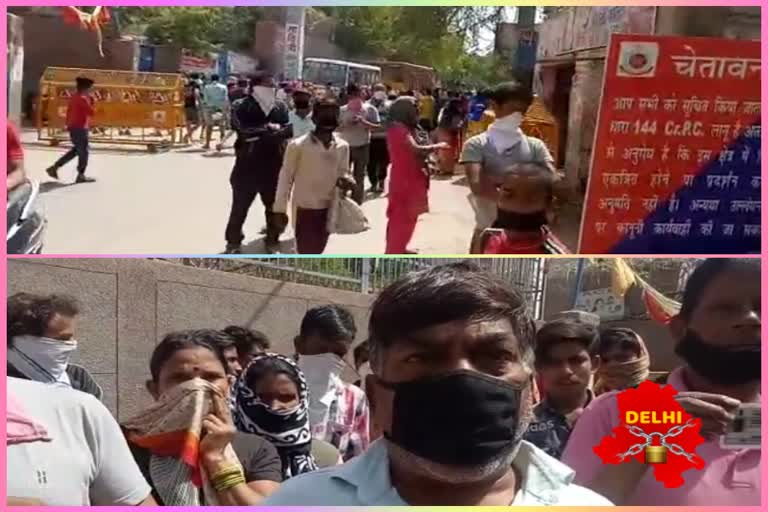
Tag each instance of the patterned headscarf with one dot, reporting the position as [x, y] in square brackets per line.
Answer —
[171, 429]
[288, 431]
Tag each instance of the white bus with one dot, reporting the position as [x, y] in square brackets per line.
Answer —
[339, 73]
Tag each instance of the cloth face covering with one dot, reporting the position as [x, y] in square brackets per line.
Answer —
[266, 98]
[477, 417]
[524, 222]
[629, 374]
[171, 429]
[288, 431]
[320, 371]
[42, 359]
[505, 133]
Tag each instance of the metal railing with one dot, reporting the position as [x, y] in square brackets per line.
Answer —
[371, 275]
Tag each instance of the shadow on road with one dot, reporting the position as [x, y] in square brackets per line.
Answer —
[50, 186]
[258, 248]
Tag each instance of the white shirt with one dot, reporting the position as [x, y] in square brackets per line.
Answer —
[87, 461]
[365, 481]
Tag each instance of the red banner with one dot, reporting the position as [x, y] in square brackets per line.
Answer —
[671, 111]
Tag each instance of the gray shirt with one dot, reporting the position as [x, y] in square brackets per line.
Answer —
[357, 134]
[87, 461]
[480, 150]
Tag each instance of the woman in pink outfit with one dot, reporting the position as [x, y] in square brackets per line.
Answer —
[409, 180]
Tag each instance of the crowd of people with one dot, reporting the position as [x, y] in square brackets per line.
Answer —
[467, 401]
[299, 145]
[298, 142]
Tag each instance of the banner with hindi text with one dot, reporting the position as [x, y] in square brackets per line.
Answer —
[676, 159]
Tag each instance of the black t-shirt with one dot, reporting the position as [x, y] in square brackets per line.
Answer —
[258, 457]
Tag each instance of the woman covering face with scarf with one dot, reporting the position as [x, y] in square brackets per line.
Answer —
[185, 443]
[624, 361]
[272, 400]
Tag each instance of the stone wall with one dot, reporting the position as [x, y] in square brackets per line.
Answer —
[129, 304]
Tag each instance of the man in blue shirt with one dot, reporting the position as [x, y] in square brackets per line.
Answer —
[215, 108]
[451, 351]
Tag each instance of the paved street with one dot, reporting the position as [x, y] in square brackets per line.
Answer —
[178, 202]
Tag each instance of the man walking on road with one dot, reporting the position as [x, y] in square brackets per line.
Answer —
[215, 104]
[79, 112]
[263, 127]
[379, 158]
[358, 119]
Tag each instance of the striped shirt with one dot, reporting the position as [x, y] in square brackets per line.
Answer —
[347, 425]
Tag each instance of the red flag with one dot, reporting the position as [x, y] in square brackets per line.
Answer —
[660, 308]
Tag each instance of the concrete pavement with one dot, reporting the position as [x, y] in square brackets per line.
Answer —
[177, 202]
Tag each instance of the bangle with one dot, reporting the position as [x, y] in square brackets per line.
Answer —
[229, 482]
[227, 477]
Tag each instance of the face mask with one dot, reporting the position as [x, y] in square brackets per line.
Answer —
[380, 95]
[301, 104]
[326, 123]
[44, 357]
[721, 365]
[509, 123]
[520, 221]
[319, 370]
[461, 418]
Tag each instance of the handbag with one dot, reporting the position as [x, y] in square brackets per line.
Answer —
[345, 217]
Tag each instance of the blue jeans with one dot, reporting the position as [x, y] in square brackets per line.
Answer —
[79, 138]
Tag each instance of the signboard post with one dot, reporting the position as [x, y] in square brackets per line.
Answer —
[676, 159]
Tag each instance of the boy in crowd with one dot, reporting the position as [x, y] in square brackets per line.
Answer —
[338, 411]
[524, 207]
[564, 363]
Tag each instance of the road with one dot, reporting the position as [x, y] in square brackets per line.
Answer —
[177, 202]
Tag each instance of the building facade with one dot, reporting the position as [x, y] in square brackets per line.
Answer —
[571, 55]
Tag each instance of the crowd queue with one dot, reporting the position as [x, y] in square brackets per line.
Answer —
[298, 145]
[467, 401]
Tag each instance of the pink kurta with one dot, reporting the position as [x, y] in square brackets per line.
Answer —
[729, 478]
[408, 186]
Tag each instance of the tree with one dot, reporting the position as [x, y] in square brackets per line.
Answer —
[198, 29]
[446, 38]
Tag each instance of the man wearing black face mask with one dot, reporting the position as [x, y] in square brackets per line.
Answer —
[718, 338]
[452, 354]
[314, 165]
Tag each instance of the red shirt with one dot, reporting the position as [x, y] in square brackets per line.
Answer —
[15, 152]
[79, 111]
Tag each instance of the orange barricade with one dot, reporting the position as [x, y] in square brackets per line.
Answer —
[131, 107]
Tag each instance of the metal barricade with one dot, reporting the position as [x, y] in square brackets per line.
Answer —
[131, 107]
